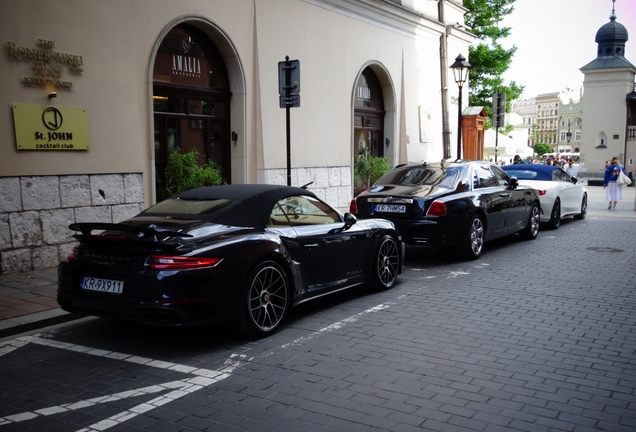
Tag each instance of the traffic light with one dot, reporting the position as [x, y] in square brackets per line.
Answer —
[499, 110]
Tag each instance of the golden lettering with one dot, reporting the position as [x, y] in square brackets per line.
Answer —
[23, 53]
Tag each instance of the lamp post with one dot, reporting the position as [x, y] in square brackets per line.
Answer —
[568, 134]
[460, 70]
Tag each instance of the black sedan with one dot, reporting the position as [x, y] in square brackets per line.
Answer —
[458, 205]
[243, 254]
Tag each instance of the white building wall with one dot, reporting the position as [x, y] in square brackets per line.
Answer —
[604, 116]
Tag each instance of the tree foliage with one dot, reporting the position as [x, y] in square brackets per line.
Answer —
[488, 59]
[542, 149]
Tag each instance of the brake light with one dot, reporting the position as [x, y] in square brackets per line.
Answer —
[542, 192]
[353, 206]
[438, 208]
[73, 254]
[161, 262]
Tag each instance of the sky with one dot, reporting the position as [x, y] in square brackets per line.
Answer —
[555, 38]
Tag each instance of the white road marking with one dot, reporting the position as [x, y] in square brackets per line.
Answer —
[175, 389]
[334, 326]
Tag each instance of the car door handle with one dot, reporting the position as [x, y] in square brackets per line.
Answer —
[505, 195]
[311, 246]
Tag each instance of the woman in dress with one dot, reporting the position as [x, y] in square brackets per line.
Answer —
[613, 191]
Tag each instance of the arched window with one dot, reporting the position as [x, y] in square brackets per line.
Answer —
[191, 101]
[368, 116]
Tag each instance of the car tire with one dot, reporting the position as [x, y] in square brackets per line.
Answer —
[474, 240]
[555, 215]
[531, 230]
[386, 264]
[264, 301]
[583, 208]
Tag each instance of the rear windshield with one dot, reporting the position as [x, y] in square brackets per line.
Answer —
[188, 206]
[417, 176]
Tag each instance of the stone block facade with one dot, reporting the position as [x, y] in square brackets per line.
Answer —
[331, 184]
[35, 213]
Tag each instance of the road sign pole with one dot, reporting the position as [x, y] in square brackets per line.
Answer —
[289, 89]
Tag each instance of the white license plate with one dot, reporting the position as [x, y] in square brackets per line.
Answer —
[102, 285]
[389, 208]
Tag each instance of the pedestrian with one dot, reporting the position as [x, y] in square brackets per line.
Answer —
[517, 160]
[613, 191]
[550, 161]
[558, 162]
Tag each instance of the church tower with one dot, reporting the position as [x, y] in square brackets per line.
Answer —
[608, 103]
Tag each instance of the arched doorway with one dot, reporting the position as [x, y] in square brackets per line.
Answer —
[368, 121]
[191, 101]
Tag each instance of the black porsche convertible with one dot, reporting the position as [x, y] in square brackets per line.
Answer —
[243, 254]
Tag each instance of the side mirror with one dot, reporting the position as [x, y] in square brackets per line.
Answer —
[514, 183]
[349, 220]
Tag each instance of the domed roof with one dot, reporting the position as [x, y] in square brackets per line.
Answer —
[612, 31]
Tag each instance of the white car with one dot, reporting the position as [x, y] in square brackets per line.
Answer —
[559, 193]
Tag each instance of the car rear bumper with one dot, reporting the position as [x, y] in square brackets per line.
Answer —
[173, 301]
[429, 233]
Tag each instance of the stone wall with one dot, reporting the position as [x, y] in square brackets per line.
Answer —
[35, 213]
[331, 184]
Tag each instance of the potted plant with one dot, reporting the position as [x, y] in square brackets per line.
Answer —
[367, 170]
[183, 173]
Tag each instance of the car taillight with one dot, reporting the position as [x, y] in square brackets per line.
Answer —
[438, 208]
[161, 262]
[353, 206]
[73, 254]
[542, 192]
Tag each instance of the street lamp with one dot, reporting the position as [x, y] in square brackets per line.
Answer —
[460, 70]
[568, 134]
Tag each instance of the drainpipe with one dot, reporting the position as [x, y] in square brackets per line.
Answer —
[443, 54]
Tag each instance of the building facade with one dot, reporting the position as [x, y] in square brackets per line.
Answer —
[96, 107]
[547, 119]
[527, 110]
[569, 127]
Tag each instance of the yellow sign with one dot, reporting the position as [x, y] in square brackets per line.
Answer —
[45, 127]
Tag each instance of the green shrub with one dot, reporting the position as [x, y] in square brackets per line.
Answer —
[183, 173]
[368, 170]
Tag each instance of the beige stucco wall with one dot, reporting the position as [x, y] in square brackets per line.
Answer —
[117, 41]
[334, 40]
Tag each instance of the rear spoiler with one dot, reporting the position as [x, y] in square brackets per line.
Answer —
[86, 228]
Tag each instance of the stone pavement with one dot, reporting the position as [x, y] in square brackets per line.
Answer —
[28, 300]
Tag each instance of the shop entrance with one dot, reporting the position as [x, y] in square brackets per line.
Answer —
[191, 101]
[368, 123]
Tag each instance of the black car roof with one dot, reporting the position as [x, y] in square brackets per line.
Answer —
[251, 203]
[544, 172]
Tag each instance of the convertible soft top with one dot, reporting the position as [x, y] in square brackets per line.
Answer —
[530, 171]
[251, 204]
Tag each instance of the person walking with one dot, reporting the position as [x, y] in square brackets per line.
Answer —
[613, 191]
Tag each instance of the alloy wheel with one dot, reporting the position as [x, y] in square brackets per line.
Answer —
[268, 298]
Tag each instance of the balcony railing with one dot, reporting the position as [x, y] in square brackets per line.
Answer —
[631, 132]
